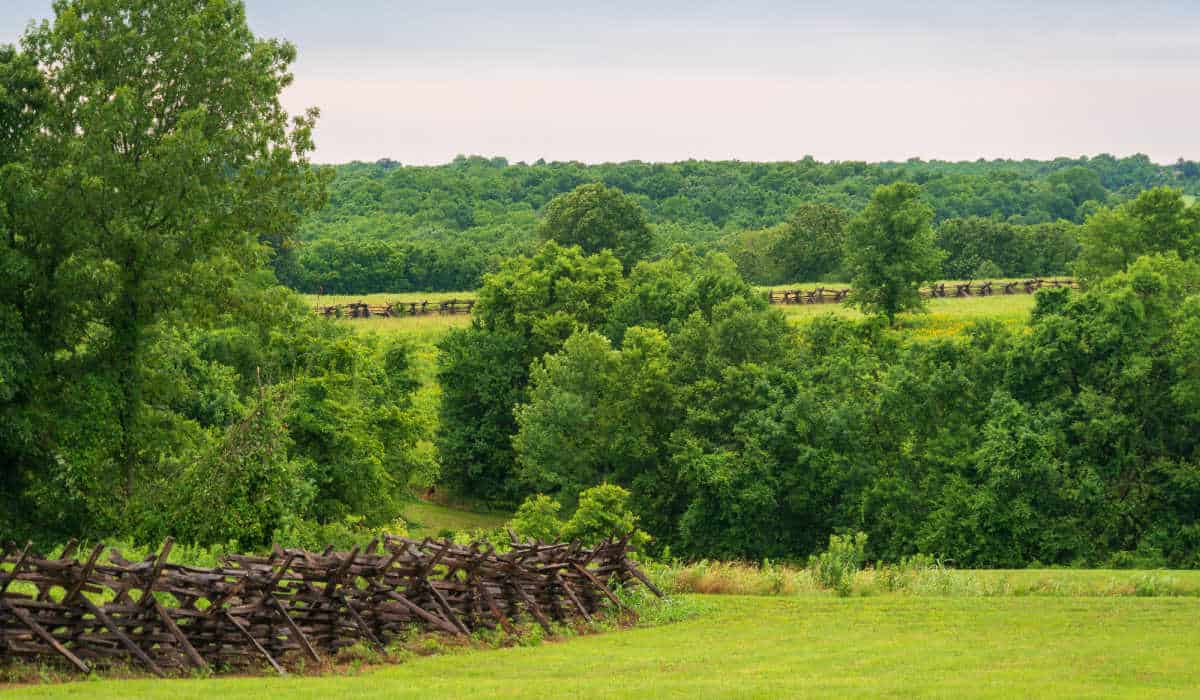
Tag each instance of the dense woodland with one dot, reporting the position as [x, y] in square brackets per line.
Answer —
[393, 228]
[156, 378]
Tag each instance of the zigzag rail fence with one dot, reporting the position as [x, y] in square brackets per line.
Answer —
[942, 290]
[817, 295]
[292, 602]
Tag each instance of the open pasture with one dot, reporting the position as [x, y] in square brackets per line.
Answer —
[802, 646]
[945, 316]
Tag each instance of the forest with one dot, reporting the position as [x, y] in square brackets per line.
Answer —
[395, 228]
[161, 376]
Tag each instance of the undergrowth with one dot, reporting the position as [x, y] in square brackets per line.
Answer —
[915, 576]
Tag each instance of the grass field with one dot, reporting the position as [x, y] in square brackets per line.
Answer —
[944, 317]
[429, 519]
[806, 646]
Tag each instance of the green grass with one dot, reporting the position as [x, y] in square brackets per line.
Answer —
[808, 646]
[1189, 199]
[428, 519]
[944, 317]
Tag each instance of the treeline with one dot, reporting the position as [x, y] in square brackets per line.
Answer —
[1075, 440]
[390, 227]
[154, 377]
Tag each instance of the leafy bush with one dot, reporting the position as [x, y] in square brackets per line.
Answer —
[537, 518]
[835, 568]
[603, 512]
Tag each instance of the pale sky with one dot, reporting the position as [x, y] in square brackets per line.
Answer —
[423, 81]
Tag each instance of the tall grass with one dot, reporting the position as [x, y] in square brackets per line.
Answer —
[920, 577]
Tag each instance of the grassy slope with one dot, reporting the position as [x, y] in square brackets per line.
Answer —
[428, 519]
[789, 647]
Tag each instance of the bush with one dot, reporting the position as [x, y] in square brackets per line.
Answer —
[603, 512]
[835, 568]
[537, 518]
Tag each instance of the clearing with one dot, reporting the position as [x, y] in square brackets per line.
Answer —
[895, 646]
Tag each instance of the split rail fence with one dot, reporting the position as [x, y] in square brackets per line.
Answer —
[946, 290]
[265, 609]
[395, 309]
[818, 295]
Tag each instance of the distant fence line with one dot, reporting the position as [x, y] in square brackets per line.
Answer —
[261, 609]
[816, 295]
[395, 309]
[942, 290]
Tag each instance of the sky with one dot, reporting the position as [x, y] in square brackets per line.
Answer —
[422, 81]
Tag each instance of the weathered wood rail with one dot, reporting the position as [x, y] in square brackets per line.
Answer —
[817, 295]
[359, 309]
[292, 603]
[948, 290]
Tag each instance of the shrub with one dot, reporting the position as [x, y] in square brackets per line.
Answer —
[537, 518]
[603, 512]
[835, 568]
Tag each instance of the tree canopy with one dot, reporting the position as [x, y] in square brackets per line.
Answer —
[596, 218]
[150, 363]
[890, 251]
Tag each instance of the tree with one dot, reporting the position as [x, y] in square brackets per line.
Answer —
[890, 251]
[811, 243]
[1157, 221]
[173, 168]
[528, 308]
[595, 218]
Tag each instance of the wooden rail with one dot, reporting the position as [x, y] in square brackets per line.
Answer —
[817, 295]
[291, 604]
[949, 290]
[359, 309]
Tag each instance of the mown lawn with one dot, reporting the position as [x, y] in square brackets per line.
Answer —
[805, 646]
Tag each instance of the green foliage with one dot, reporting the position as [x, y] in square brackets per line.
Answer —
[1157, 221]
[353, 431]
[890, 251]
[154, 379]
[243, 487]
[834, 568]
[482, 375]
[550, 295]
[1006, 249]
[595, 218]
[537, 518]
[531, 306]
[443, 227]
[603, 512]
[594, 413]
[811, 243]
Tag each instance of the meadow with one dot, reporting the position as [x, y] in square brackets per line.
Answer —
[944, 315]
[770, 647]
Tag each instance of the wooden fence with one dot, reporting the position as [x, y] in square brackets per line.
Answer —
[395, 309]
[817, 295]
[292, 603]
[822, 295]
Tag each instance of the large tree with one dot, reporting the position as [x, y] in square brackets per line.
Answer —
[810, 244]
[1156, 221]
[156, 169]
[595, 218]
[890, 251]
